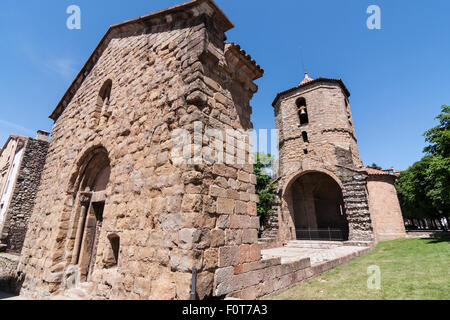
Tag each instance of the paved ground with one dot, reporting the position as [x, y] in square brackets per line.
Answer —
[317, 251]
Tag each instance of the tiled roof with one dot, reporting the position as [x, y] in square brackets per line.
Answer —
[309, 82]
[375, 172]
[13, 136]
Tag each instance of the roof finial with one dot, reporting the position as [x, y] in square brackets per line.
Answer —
[306, 80]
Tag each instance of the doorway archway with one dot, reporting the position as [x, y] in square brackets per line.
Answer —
[317, 208]
[92, 183]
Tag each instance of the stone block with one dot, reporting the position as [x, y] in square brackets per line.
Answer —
[225, 206]
[228, 256]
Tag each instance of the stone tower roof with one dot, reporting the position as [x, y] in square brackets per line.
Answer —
[307, 81]
[182, 11]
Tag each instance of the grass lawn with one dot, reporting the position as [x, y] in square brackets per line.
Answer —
[410, 269]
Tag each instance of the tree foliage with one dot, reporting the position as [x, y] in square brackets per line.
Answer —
[424, 189]
[264, 186]
[439, 136]
[375, 166]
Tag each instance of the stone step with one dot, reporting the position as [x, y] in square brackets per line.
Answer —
[358, 243]
[314, 244]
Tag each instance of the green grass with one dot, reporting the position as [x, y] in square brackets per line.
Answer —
[410, 269]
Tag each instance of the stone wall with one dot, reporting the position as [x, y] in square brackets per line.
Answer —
[9, 280]
[24, 194]
[330, 148]
[170, 70]
[267, 277]
[385, 210]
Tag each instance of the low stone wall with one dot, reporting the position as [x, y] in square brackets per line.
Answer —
[264, 278]
[9, 281]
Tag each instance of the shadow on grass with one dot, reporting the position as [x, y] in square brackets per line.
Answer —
[438, 238]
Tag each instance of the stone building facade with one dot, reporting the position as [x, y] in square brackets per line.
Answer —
[123, 219]
[325, 192]
[21, 163]
[141, 200]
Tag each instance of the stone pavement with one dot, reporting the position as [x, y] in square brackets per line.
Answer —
[300, 261]
[318, 251]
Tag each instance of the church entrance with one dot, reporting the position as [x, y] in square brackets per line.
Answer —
[316, 204]
[91, 198]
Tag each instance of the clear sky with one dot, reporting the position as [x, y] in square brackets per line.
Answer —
[398, 76]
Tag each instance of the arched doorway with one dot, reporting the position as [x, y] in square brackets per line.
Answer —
[92, 183]
[317, 208]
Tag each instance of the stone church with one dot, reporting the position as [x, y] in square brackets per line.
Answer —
[118, 217]
[325, 192]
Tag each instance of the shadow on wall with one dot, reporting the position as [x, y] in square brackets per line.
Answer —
[10, 281]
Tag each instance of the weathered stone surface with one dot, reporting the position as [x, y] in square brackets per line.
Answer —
[18, 200]
[228, 256]
[167, 216]
[317, 137]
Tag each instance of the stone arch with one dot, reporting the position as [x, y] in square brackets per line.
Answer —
[102, 109]
[87, 187]
[104, 96]
[293, 177]
[302, 110]
[315, 205]
[80, 165]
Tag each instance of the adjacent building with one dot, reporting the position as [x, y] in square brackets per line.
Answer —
[21, 162]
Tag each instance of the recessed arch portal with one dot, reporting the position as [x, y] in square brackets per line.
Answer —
[89, 191]
[316, 204]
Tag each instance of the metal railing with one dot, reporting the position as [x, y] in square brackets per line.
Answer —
[331, 234]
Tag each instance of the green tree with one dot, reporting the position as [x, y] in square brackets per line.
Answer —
[424, 189]
[375, 166]
[439, 136]
[264, 186]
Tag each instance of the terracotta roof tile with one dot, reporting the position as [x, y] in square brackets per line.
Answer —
[306, 80]
[375, 172]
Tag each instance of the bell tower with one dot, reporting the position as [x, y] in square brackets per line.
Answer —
[320, 178]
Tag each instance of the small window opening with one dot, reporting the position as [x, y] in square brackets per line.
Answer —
[112, 258]
[104, 96]
[305, 151]
[302, 111]
[305, 136]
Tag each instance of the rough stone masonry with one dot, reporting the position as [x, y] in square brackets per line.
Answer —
[117, 215]
[324, 191]
[20, 187]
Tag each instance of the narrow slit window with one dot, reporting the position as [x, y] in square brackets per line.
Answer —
[112, 259]
[104, 96]
[305, 136]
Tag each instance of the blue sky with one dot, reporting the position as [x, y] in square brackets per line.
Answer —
[399, 76]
